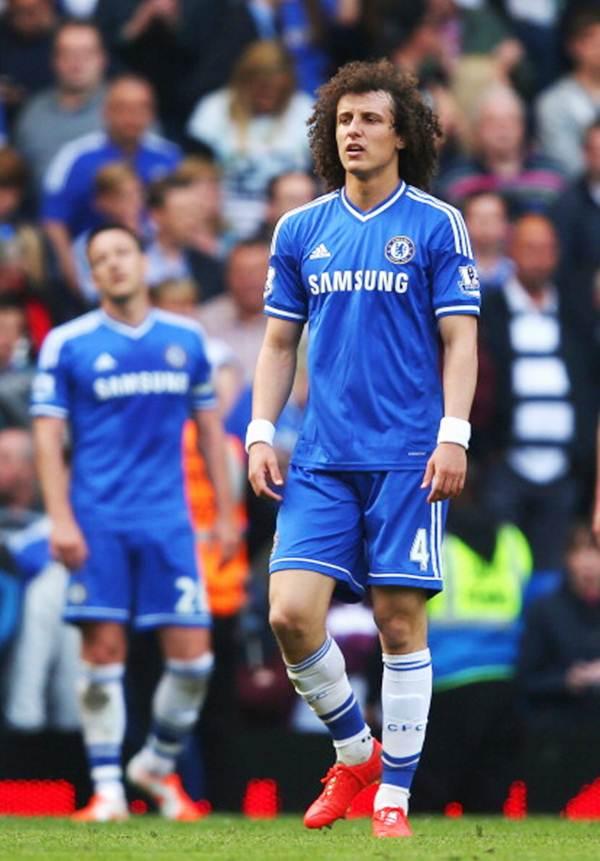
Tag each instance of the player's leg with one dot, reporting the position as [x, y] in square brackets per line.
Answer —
[98, 600]
[102, 711]
[171, 597]
[405, 698]
[299, 602]
[404, 538]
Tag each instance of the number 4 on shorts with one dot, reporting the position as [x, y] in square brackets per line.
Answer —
[419, 552]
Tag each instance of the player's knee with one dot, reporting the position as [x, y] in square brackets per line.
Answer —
[289, 624]
[398, 630]
[103, 646]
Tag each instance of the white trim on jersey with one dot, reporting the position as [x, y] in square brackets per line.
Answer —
[318, 201]
[277, 312]
[461, 237]
[378, 210]
[63, 161]
[48, 410]
[134, 332]
[56, 338]
[457, 309]
[179, 320]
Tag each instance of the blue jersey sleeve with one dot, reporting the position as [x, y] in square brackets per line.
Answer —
[49, 392]
[455, 280]
[285, 295]
[201, 384]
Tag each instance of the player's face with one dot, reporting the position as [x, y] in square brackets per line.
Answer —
[118, 266]
[366, 139]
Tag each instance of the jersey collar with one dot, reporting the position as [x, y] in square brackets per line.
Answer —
[134, 332]
[381, 207]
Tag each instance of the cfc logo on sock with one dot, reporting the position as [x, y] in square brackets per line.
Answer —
[405, 727]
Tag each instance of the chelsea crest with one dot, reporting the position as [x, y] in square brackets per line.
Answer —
[400, 249]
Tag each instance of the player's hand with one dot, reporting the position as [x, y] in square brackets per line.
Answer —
[227, 534]
[67, 544]
[445, 472]
[263, 471]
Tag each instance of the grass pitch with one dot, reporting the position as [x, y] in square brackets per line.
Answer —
[233, 838]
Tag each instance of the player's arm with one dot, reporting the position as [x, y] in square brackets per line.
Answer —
[447, 467]
[212, 445]
[275, 370]
[67, 543]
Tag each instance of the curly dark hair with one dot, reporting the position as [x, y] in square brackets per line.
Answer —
[414, 120]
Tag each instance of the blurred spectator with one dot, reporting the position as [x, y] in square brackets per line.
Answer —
[41, 669]
[173, 207]
[73, 106]
[16, 372]
[411, 36]
[2, 125]
[474, 629]
[577, 219]
[68, 186]
[284, 192]
[18, 498]
[501, 159]
[256, 128]
[537, 25]
[26, 33]
[210, 233]
[185, 49]
[568, 107]
[559, 666]
[305, 30]
[118, 198]
[486, 218]
[19, 493]
[543, 429]
[26, 272]
[237, 316]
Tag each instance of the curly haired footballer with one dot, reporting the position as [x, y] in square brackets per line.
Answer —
[414, 120]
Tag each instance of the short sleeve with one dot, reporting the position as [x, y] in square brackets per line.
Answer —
[455, 280]
[49, 391]
[285, 296]
[201, 384]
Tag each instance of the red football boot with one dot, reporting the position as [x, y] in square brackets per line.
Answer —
[391, 822]
[342, 784]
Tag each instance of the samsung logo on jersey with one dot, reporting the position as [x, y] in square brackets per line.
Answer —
[142, 383]
[349, 280]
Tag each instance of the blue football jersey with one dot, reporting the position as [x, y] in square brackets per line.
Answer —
[372, 286]
[126, 393]
[69, 182]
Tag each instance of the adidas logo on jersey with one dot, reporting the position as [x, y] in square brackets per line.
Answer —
[320, 252]
[105, 362]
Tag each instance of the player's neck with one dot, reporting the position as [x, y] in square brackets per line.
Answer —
[132, 311]
[367, 192]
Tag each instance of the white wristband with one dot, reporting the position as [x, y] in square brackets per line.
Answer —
[454, 430]
[260, 430]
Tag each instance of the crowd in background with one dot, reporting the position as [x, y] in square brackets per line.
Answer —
[185, 120]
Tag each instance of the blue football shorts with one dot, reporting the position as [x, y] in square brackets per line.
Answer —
[361, 528]
[143, 574]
